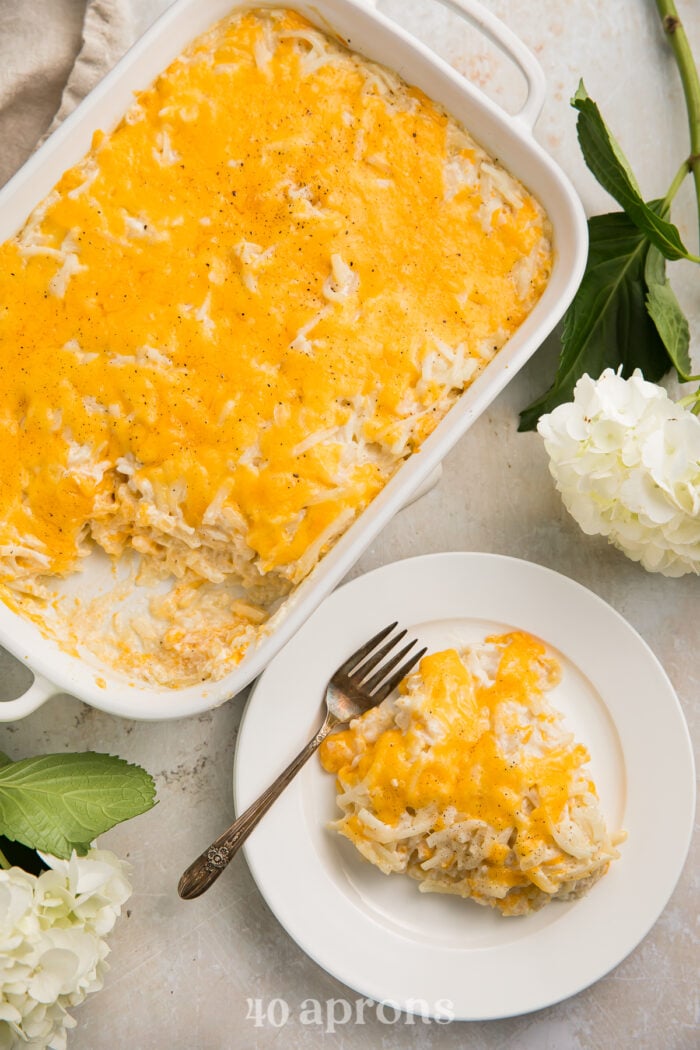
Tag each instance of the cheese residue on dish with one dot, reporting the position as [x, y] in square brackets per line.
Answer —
[469, 782]
[225, 329]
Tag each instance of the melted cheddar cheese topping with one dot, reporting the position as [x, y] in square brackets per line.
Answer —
[248, 303]
[461, 754]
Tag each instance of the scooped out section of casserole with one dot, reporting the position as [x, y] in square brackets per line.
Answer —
[470, 782]
[226, 327]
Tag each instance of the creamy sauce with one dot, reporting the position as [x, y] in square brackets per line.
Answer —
[248, 297]
[487, 753]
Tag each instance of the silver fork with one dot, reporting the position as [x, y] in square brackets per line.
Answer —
[352, 690]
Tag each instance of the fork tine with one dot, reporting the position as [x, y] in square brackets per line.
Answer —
[371, 662]
[364, 650]
[384, 670]
[397, 677]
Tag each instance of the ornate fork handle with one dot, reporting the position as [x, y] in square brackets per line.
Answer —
[353, 688]
[208, 866]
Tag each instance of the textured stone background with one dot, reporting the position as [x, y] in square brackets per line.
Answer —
[181, 973]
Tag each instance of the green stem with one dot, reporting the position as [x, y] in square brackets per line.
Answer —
[692, 401]
[4, 862]
[678, 39]
[673, 189]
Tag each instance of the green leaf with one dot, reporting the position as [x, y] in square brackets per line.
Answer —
[605, 158]
[4, 760]
[607, 324]
[666, 313]
[58, 803]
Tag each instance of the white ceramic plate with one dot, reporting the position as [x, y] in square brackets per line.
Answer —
[438, 955]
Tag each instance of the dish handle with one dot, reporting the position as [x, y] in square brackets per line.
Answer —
[511, 45]
[38, 693]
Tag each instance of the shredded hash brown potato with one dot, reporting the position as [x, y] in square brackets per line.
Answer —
[226, 328]
[469, 782]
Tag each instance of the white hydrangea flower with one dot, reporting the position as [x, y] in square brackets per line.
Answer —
[626, 460]
[51, 949]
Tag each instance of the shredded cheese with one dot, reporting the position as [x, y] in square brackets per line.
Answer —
[470, 783]
[266, 281]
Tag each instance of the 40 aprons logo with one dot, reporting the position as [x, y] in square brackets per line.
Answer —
[330, 1014]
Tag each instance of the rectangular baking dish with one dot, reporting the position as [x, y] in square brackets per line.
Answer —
[509, 138]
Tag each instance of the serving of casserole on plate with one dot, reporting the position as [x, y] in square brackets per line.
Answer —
[224, 330]
[536, 733]
[470, 781]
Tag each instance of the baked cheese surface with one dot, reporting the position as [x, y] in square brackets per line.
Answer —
[470, 782]
[227, 326]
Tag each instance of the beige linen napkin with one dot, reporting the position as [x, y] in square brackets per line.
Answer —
[52, 52]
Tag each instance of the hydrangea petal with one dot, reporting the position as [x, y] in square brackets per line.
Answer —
[626, 460]
[52, 952]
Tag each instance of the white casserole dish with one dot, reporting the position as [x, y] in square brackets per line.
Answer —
[509, 138]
